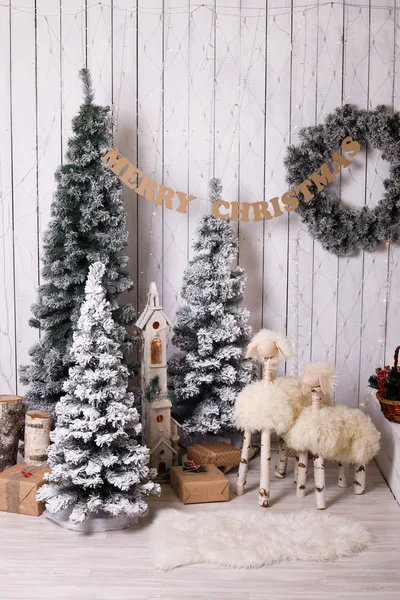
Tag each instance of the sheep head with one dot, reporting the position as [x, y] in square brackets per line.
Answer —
[321, 374]
[270, 345]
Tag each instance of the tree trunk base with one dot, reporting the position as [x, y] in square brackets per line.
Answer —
[94, 524]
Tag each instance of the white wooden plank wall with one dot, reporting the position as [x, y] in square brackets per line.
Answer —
[278, 112]
[349, 292]
[251, 163]
[302, 112]
[201, 90]
[24, 126]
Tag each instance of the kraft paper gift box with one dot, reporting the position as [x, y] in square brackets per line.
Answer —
[211, 486]
[18, 487]
[220, 454]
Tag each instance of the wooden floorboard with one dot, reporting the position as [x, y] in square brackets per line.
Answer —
[39, 560]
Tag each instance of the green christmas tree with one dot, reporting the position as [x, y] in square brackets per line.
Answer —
[87, 224]
[211, 330]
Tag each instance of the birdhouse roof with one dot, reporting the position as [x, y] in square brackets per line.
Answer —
[147, 313]
[162, 441]
[152, 306]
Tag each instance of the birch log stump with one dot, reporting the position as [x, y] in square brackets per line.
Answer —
[37, 437]
[11, 424]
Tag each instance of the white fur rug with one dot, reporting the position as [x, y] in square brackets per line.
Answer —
[250, 539]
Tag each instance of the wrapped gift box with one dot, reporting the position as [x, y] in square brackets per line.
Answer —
[18, 487]
[211, 486]
[220, 454]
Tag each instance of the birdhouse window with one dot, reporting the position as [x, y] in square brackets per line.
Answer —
[156, 352]
[156, 325]
[159, 418]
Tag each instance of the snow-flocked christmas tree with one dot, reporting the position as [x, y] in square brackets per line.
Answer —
[97, 464]
[87, 224]
[211, 330]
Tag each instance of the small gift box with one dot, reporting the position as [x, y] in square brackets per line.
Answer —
[208, 486]
[220, 454]
[18, 487]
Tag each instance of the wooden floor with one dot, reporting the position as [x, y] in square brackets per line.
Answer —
[39, 560]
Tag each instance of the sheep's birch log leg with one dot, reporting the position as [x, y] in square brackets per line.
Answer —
[319, 467]
[342, 475]
[296, 468]
[319, 479]
[37, 437]
[302, 474]
[264, 492]
[360, 472]
[244, 463]
[281, 459]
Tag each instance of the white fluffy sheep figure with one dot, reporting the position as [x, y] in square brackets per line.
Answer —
[345, 435]
[298, 402]
[338, 433]
[268, 405]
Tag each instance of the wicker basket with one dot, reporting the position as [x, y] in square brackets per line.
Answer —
[391, 408]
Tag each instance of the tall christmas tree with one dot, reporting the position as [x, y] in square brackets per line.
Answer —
[97, 465]
[211, 330]
[87, 224]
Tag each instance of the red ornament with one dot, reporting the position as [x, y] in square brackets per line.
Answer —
[26, 473]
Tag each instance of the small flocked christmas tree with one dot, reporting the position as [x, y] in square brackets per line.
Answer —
[97, 464]
[87, 224]
[211, 330]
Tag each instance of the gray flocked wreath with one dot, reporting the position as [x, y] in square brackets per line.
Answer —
[342, 229]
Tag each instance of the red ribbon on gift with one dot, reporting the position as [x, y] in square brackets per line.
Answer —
[26, 473]
[190, 465]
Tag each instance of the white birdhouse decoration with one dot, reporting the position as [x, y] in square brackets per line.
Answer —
[160, 431]
[154, 325]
